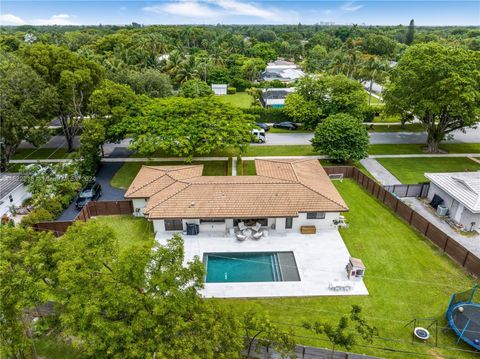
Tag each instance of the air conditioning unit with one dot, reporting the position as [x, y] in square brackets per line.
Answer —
[442, 210]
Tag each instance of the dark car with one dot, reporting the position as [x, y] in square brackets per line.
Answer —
[287, 125]
[91, 192]
[263, 126]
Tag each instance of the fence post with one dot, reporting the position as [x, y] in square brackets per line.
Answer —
[411, 216]
[396, 204]
[426, 230]
[446, 243]
[465, 260]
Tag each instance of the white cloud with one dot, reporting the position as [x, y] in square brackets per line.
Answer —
[184, 8]
[213, 9]
[10, 19]
[60, 19]
[327, 12]
[350, 6]
[234, 7]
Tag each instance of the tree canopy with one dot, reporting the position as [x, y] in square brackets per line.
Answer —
[439, 85]
[195, 88]
[316, 98]
[184, 127]
[27, 106]
[341, 137]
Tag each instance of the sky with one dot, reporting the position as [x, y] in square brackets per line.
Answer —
[91, 12]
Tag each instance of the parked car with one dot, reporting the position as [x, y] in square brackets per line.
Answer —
[287, 125]
[91, 192]
[263, 126]
[259, 135]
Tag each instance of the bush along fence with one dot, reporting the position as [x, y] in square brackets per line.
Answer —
[91, 209]
[469, 261]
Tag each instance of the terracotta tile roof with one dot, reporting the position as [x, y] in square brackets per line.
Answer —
[281, 188]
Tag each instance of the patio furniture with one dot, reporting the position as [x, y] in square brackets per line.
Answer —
[247, 232]
[258, 235]
[257, 227]
[241, 237]
[308, 230]
[242, 226]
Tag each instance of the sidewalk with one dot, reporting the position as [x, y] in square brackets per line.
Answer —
[472, 243]
[380, 173]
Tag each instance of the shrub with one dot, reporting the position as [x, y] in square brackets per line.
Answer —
[240, 84]
[36, 216]
[53, 205]
[342, 137]
[231, 90]
[369, 113]
[268, 114]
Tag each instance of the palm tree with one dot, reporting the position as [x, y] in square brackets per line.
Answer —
[373, 69]
[189, 69]
[173, 64]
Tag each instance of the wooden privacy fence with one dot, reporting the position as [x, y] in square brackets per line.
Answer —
[448, 245]
[91, 209]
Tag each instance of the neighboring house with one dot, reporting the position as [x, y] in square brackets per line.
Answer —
[12, 193]
[275, 97]
[219, 89]
[281, 70]
[284, 196]
[460, 193]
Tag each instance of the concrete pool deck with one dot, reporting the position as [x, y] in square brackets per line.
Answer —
[321, 258]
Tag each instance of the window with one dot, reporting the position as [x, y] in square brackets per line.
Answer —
[288, 222]
[173, 225]
[315, 215]
[218, 220]
[251, 221]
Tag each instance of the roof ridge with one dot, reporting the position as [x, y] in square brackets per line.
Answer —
[148, 183]
[173, 194]
[314, 190]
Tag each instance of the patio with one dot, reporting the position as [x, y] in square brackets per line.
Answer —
[321, 259]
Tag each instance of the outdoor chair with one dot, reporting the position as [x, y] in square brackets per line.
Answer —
[242, 226]
[257, 227]
[257, 235]
[241, 237]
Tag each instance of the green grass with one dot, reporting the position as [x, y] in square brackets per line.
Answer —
[387, 118]
[411, 170]
[129, 170]
[240, 99]
[41, 153]
[375, 101]
[129, 230]
[406, 278]
[248, 168]
[50, 348]
[295, 150]
[386, 149]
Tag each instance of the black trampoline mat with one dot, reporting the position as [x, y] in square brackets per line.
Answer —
[467, 321]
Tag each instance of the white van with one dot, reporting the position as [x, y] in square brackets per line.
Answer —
[259, 135]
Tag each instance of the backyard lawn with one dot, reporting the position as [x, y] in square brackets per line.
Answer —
[406, 277]
[240, 99]
[129, 170]
[411, 170]
[248, 168]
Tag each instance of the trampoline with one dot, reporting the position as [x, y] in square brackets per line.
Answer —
[463, 315]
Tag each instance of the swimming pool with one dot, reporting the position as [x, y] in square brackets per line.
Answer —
[250, 267]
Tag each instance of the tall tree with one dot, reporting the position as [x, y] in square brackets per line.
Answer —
[184, 127]
[316, 98]
[372, 70]
[74, 78]
[27, 105]
[439, 85]
[410, 36]
[26, 271]
[195, 88]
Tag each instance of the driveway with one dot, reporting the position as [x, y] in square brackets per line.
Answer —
[109, 193]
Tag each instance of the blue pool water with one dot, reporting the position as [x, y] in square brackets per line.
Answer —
[242, 267]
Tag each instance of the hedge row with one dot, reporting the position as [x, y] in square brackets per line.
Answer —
[268, 115]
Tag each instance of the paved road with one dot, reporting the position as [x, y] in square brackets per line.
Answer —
[471, 136]
[109, 193]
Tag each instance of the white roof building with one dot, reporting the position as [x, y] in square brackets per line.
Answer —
[219, 89]
[12, 193]
[460, 192]
[281, 70]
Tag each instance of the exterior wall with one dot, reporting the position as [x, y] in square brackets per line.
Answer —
[219, 90]
[139, 206]
[302, 220]
[456, 210]
[19, 195]
[468, 217]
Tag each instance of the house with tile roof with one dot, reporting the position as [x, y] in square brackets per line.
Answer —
[284, 196]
